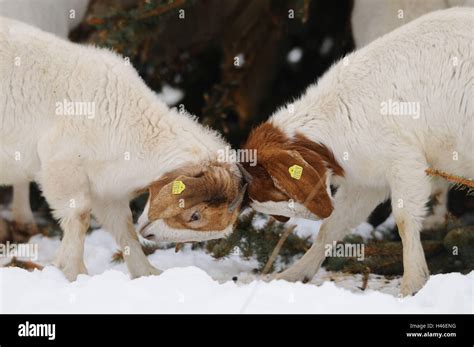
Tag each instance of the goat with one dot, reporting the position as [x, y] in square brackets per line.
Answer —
[57, 17]
[371, 126]
[81, 122]
[370, 20]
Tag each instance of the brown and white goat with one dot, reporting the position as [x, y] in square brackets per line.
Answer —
[81, 122]
[371, 126]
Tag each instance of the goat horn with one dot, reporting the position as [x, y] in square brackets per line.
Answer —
[247, 176]
[238, 199]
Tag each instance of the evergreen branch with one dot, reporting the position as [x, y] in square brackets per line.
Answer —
[159, 10]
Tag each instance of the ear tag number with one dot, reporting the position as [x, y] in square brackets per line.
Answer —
[295, 171]
[178, 187]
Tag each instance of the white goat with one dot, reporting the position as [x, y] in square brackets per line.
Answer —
[373, 18]
[57, 17]
[82, 123]
[54, 16]
[371, 126]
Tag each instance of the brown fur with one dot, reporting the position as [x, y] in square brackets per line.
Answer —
[209, 191]
[308, 149]
[275, 154]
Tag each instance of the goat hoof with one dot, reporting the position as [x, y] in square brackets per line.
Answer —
[153, 271]
[267, 277]
[72, 271]
[148, 271]
[411, 286]
[293, 276]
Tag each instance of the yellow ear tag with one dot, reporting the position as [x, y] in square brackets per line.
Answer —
[295, 171]
[178, 187]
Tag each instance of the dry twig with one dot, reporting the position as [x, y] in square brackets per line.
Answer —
[27, 265]
[452, 178]
[277, 248]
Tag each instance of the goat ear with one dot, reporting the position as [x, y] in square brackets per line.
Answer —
[169, 197]
[299, 180]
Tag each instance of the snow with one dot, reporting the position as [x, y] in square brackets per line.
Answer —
[385, 228]
[326, 46]
[364, 230]
[305, 227]
[169, 95]
[295, 55]
[194, 282]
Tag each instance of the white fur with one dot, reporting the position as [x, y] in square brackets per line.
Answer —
[54, 16]
[283, 208]
[21, 210]
[373, 18]
[388, 154]
[88, 163]
[57, 17]
[163, 233]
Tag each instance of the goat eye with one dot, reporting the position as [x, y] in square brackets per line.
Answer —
[195, 216]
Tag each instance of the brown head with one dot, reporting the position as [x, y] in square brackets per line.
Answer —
[290, 178]
[194, 203]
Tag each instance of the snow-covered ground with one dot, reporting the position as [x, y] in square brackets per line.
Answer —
[194, 282]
